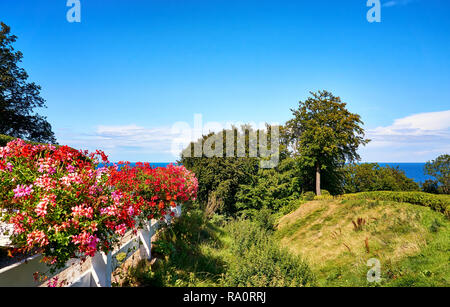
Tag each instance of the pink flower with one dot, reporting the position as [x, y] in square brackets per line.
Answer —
[121, 229]
[53, 282]
[47, 165]
[130, 211]
[70, 168]
[116, 196]
[94, 189]
[111, 210]
[38, 237]
[88, 243]
[80, 211]
[23, 190]
[41, 208]
[71, 178]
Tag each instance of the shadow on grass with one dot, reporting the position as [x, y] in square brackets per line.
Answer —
[186, 255]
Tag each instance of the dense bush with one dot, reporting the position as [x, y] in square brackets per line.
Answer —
[291, 206]
[5, 139]
[59, 202]
[430, 186]
[372, 177]
[183, 255]
[440, 169]
[440, 203]
[308, 196]
[264, 218]
[156, 190]
[270, 188]
[63, 205]
[258, 261]
[219, 178]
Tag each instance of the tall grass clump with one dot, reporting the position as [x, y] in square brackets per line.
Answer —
[258, 261]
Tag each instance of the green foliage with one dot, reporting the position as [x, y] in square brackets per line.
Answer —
[440, 203]
[5, 139]
[291, 206]
[187, 255]
[264, 218]
[371, 177]
[308, 196]
[18, 97]
[162, 247]
[430, 186]
[270, 188]
[324, 134]
[220, 177]
[240, 253]
[440, 169]
[258, 261]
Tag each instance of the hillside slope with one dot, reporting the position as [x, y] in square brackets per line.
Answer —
[411, 242]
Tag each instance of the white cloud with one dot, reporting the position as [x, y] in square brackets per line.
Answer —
[414, 138]
[135, 143]
[127, 142]
[422, 124]
[392, 3]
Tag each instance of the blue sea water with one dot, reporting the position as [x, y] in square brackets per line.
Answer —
[414, 171]
[152, 164]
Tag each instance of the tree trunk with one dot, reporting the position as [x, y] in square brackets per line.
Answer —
[318, 192]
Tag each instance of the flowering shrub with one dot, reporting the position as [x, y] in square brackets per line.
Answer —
[157, 190]
[63, 205]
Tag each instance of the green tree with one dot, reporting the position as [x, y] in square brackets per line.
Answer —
[372, 177]
[324, 135]
[440, 169]
[219, 176]
[18, 97]
[270, 188]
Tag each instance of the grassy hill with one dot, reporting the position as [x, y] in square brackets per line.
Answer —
[411, 242]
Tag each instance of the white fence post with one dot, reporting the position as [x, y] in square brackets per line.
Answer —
[102, 269]
[146, 235]
[177, 211]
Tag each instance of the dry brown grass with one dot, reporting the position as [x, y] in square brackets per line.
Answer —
[326, 232]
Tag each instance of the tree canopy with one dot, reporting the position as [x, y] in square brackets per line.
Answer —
[324, 134]
[439, 168]
[18, 97]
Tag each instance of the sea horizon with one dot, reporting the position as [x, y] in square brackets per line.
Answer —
[413, 170]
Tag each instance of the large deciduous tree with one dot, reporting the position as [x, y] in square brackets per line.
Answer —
[18, 97]
[324, 135]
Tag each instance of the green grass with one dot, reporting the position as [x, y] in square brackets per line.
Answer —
[199, 253]
[411, 242]
[193, 256]
[437, 202]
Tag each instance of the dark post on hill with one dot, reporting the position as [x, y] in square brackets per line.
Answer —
[323, 134]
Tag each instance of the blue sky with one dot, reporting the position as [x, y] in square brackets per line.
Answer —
[123, 76]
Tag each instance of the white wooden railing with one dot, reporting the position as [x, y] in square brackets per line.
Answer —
[95, 271]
